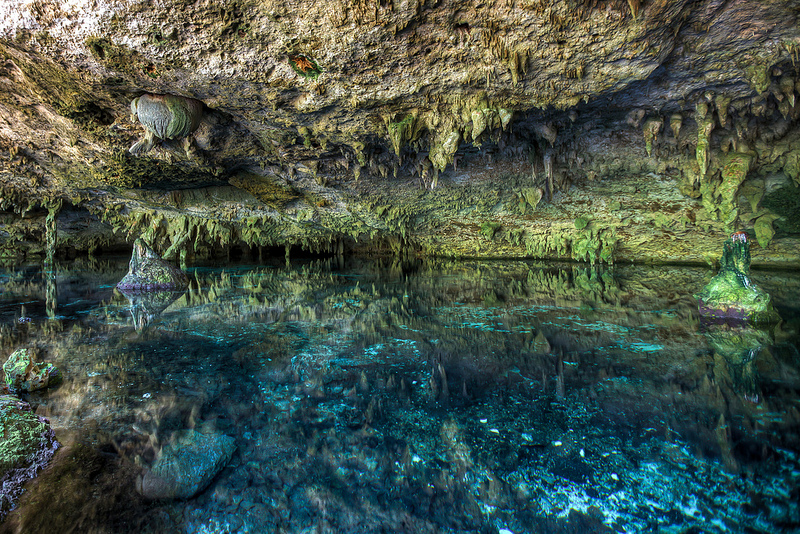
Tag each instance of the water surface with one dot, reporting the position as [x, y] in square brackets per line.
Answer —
[391, 396]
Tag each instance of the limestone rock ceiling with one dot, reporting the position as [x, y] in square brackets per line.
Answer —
[589, 130]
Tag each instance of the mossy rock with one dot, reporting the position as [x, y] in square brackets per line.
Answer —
[22, 374]
[731, 294]
[27, 444]
[148, 272]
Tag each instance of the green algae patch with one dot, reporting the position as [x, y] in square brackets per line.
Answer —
[731, 294]
[26, 444]
[268, 190]
[734, 171]
[23, 374]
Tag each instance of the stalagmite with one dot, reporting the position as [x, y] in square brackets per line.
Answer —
[652, 127]
[51, 233]
[675, 122]
[548, 171]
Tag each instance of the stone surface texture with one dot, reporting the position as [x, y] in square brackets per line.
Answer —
[731, 294]
[27, 444]
[592, 130]
[23, 374]
[148, 272]
[186, 465]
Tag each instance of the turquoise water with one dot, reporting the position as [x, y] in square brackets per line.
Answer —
[388, 396]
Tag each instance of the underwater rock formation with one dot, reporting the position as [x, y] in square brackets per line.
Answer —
[27, 445]
[731, 294]
[147, 271]
[187, 465]
[165, 117]
[22, 374]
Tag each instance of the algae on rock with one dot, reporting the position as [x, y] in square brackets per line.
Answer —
[731, 294]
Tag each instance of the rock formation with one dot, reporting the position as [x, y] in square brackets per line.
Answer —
[403, 126]
[23, 374]
[148, 272]
[187, 465]
[28, 444]
[164, 117]
[731, 294]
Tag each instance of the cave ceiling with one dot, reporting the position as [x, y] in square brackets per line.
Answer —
[596, 130]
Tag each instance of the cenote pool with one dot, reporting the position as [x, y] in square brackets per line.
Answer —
[403, 396]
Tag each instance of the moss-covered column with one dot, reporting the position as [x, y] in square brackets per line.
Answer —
[51, 243]
[733, 174]
[51, 232]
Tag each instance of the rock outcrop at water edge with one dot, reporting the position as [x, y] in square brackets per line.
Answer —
[27, 445]
[147, 271]
[731, 294]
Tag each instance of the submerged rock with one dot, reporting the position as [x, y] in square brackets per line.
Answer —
[27, 444]
[186, 465]
[22, 374]
[731, 294]
[147, 271]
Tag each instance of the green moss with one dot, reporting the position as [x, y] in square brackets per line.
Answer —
[305, 66]
[489, 228]
[758, 75]
[120, 58]
[63, 89]
[23, 374]
[268, 190]
[403, 131]
[23, 436]
[581, 223]
[704, 128]
[126, 171]
[763, 229]
[734, 172]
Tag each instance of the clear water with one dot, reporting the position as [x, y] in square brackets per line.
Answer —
[390, 396]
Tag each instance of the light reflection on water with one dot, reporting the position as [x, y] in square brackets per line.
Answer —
[419, 397]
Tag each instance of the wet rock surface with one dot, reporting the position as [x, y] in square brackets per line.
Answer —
[148, 272]
[23, 374]
[27, 444]
[186, 465]
[731, 294]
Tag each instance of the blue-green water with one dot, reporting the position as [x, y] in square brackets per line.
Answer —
[413, 397]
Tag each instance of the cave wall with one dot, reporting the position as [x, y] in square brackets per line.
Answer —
[592, 130]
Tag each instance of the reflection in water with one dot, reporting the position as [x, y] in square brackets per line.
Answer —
[420, 397]
[739, 344]
[145, 306]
